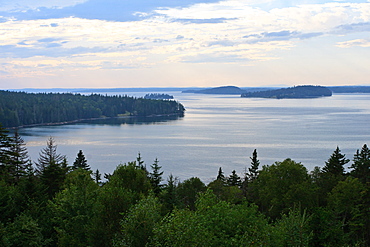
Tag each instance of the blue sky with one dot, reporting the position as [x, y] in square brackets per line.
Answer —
[170, 43]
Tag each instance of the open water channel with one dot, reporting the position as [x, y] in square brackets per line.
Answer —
[218, 131]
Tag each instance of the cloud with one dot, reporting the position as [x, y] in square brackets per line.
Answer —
[355, 42]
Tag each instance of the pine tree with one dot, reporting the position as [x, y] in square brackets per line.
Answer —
[335, 164]
[253, 170]
[361, 164]
[80, 162]
[156, 177]
[49, 156]
[220, 175]
[18, 157]
[97, 177]
[5, 145]
[234, 179]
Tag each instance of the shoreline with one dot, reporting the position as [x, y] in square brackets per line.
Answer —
[88, 119]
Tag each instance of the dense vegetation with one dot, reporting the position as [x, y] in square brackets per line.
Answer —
[218, 90]
[57, 204]
[158, 96]
[292, 93]
[20, 108]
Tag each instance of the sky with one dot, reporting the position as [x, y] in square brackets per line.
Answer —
[187, 43]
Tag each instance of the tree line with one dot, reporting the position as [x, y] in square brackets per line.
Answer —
[21, 108]
[49, 202]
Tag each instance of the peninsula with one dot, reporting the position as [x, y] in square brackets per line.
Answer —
[297, 92]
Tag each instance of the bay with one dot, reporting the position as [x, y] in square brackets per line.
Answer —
[218, 131]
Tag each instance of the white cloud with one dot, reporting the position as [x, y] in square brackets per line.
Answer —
[355, 42]
[232, 32]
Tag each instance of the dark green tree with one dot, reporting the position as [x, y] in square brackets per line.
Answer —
[48, 156]
[361, 165]
[188, 191]
[220, 175]
[335, 164]
[97, 177]
[156, 177]
[18, 157]
[80, 162]
[253, 170]
[5, 145]
[234, 179]
[169, 193]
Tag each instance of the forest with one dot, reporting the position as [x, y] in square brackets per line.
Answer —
[24, 109]
[297, 92]
[48, 202]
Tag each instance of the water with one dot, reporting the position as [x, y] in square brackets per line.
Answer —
[219, 131]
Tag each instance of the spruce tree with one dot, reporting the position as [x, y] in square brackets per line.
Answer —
[220, 175]
[156, 177]
[80, 162]
[361, 164]
[253, 170]
[49, 156]
[97, 177]
[335, 164]
[234, 179]
[5, 145]
[18, 157]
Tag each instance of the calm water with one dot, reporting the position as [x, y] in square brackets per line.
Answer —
[219, 131]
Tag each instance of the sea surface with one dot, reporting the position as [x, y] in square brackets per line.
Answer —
[218, 131]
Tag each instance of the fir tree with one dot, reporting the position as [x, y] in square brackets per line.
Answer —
[48, 156]
[5, 145]
[220, 175]
[234, 179]
[253, 170]
[18, 158]
[156, 177]
[361, 164]
[80, 162]
[97, 177]
[335, 164]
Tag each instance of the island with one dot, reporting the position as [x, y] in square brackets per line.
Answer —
[157, 96]
[297, 92]
[218, 90]
[21, 109]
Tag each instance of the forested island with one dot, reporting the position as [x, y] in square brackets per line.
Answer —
[217, 90]
[49, 202]
[25, 109]
[297, 92]
[158, 96]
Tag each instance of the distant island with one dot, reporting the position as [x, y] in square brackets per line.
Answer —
[297, 92]
[20, 109]
[158, 96]
[218, 90]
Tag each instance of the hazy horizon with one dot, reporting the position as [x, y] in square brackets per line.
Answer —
[189, 43]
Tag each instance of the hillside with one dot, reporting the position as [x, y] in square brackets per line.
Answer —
[298, 92]
[218, 90]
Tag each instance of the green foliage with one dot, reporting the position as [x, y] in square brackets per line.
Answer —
[156, 177]
[24, 231]
[72, 208]
[188, 191]
[20, 108]
[293, 229]
[138, 224]
[361, 165]
[214, 223]
[283, 185]
[80, 162]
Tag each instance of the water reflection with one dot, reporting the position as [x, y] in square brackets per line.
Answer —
[132, 120]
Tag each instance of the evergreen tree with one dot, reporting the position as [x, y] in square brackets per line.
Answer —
[18, 157]
[48, 156]
[5, 145]
[253, 170]
[97, 177]
[169, 195]
[335, 164]
[220, 175]
[80, 162]
[361, 164]
[156, 177]
[234, 179]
